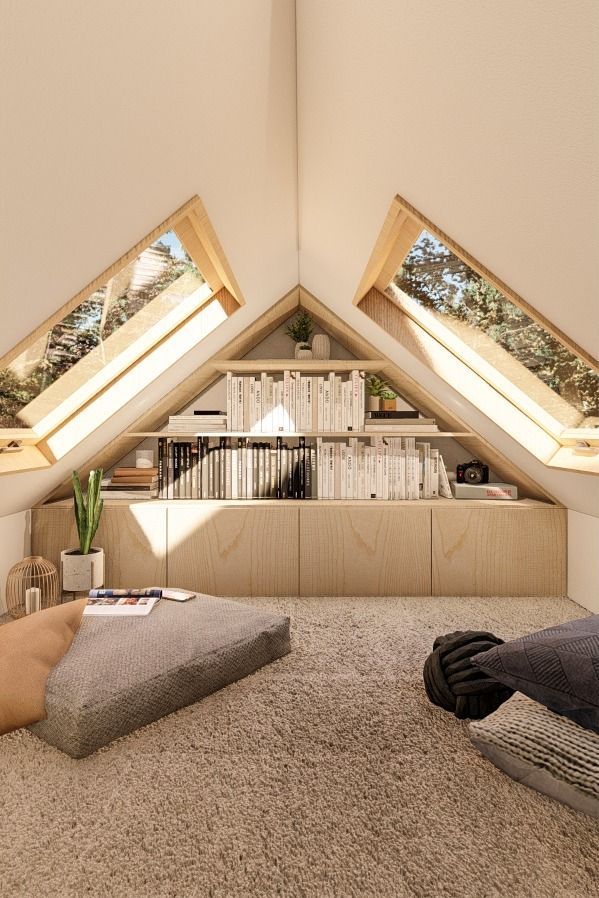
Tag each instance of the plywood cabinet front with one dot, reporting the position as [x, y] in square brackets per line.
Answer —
[506, 551]
[133, 539]
[234, 551]
[365, 551]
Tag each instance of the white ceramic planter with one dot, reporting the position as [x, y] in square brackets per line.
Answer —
[373, 403]
[302, 353]
[80, 573]
[321, 346]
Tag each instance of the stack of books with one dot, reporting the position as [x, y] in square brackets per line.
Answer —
[199, 422]
[399, 422]
[131, 483]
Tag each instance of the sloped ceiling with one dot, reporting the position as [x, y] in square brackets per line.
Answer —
[481, 114]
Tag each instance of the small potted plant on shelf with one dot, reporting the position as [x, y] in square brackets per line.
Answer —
[300, 331]
[388, 400]
[83, 567]
[377, 389]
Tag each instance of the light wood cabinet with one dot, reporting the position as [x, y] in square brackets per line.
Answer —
[234, 551]
[505, 551]
[365, 551]
[133, 538]
[331, 548]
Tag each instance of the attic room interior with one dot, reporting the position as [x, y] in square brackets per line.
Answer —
[299, 449]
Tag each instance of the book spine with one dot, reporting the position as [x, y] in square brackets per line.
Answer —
[176, 471]
[338, 423]
[252, 408]
[222, 468]
[434, 473]
[444, 487]
[234, 466]
[308, 469]
[309, 409]
[320, 403]
[362, 401]
[161, 479]
[279, 491]
[355, 399]
[195, 455]
[211, 472]
[229, 399]
[302, 468]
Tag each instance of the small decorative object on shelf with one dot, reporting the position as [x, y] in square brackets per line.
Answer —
[144, 458]
[375, 386]
[32, 584]
[388, 401]
[303, 351]
[300, 331]
[83, 568]
[321, 346]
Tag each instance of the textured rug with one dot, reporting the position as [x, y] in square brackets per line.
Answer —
[325, 775]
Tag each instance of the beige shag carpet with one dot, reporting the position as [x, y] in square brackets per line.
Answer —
[325, 775]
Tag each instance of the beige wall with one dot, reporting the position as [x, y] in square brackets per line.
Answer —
[15, 542]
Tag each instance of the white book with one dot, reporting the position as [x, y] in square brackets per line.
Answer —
[337, 470]
[320, 404]
[292, 403]
[309, 405]
[349, 492]
[286, 400]
[229, 399]
[343, 463]
[385, 473]
[332, 400]
[444, 487]
[355, 399]
[378, 446]
[362, 401]
[303, 416]
[434, 472]
[361, 491]
[331, 470]
[234, 472]
[252, 405]
[326, 405]
[240, 418]
[257, 413]
[319, 468]
[338, 403]
[263, 402]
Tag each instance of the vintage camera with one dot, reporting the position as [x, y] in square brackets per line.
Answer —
[472, 472]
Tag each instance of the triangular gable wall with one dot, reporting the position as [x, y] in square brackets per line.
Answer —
[178, 398]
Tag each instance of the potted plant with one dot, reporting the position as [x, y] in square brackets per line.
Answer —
[300, 331]
[388, 400]
[375, 388]
[83, 567]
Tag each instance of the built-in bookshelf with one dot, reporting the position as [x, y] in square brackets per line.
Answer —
[256, 452]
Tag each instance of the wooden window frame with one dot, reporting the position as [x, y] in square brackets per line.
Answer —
[193, 228]
[402, 226]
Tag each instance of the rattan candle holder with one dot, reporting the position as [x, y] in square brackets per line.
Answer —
[32, 571]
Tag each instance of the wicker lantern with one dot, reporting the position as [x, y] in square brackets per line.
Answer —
[33, 573]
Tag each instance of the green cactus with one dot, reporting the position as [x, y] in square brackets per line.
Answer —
[87, 508]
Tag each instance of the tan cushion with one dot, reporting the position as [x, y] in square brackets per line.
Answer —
[29, 648]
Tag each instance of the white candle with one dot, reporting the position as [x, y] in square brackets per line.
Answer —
[33, 599]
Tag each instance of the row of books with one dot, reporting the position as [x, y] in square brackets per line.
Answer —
[200, 421]
[295, 403]
[239, 468]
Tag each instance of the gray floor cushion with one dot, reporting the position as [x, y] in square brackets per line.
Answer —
[543, 750]
[122, 673]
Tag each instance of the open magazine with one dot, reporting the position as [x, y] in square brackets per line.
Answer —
[129, 602]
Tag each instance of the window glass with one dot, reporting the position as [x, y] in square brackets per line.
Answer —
[139, 304]
[434, 279]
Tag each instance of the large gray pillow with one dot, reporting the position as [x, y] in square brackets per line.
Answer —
[542, 750]
[558, 667]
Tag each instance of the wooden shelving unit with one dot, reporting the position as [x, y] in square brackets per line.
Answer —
[280, 433]
[307, 366]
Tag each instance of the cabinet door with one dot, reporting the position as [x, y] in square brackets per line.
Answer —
[233, 551]
[519, 551]
[133, 539]
[358, 551]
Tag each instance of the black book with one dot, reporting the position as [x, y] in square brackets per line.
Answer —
[272, 490]
[404, 413]
[187, 453]
[176, 470]
[294, 480]
[161, 467]
[212, 472]
[255, 461]
[222, 468]
[308, 470]
[279, 492]
[301, 469]
[208, 411]
[195, 469]
[284, 471]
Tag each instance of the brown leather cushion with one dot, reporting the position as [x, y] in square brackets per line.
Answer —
[29, 648]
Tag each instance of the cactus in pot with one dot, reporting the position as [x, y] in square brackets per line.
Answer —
[87, 512]
[83, 568]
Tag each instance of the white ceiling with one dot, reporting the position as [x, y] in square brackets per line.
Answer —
[482, 114]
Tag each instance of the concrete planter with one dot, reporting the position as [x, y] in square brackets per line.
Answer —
[80, 573]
